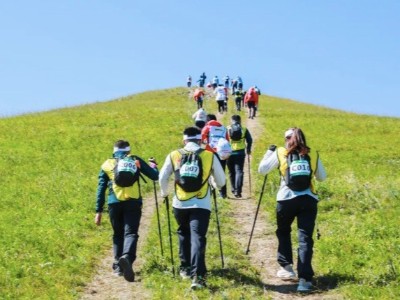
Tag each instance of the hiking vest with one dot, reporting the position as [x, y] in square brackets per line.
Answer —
[207, 162]
[121, 193]
[239, 145]
[282, 157]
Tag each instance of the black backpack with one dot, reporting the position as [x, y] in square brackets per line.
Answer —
[126, 173]
[189, 176]
[298, 172]
[235, 132]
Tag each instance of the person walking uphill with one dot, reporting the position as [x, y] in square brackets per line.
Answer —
[192, 201]
[296, 198]
[215, 137]
[120, 175]
[241, 142]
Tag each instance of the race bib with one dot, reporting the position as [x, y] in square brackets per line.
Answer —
[300, 168]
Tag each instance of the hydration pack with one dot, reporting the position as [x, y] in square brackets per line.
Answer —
[126, 173]
[298, 172]
[235, 132]
[189, 176]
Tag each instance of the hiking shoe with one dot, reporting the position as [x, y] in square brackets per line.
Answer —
[286, 273]
[222, 195]
[185, 273]
[126, 267]
[198, 282]
[117, 271]
[304, 286]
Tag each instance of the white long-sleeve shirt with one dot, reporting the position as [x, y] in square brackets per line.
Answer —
[167, 169]
[270, 162]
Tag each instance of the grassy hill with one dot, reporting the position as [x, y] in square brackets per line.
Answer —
[50, 161]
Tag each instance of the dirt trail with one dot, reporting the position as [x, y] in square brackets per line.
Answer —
[106, 285]
[264, 243]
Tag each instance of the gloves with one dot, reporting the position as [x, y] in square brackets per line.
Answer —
[272, 147]
[152, 163]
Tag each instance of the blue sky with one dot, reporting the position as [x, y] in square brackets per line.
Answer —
[341, 54]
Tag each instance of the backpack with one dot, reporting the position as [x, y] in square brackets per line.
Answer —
[189, 176]
[235, 132]
[224, 149]
[298, 172]
[126, 173]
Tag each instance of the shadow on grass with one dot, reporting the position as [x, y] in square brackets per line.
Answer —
[321, 284]
[236, 276]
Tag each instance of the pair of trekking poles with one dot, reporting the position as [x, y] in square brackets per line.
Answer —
[166, 200]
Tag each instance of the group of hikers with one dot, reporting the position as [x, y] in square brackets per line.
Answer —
[199, 171]
[241, 97]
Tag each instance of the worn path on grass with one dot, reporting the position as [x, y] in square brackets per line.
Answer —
[262, 254]
[106, 285]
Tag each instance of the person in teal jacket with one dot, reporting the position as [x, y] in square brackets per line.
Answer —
[124, 207]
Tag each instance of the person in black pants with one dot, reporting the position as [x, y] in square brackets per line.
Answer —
[241, 142]
[124, 205]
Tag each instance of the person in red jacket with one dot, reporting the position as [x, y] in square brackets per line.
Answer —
[198, 96]
[210, 135]
[251, 100]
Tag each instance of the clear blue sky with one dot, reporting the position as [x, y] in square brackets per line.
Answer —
[341, 54]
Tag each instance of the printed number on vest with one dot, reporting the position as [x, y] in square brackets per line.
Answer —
[298, 173]
[189, 176]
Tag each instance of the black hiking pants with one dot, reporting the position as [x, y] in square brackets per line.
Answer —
[235, 166]
[125, 219]
[221, 106]
[304, 208]
[192, 230]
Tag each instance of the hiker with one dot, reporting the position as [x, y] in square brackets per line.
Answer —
[239, 82]
[192, 208]
[202, 80]
[215, 82]
[221, 96]
[238, 95]
[258, 91]
[210, 136]
[296, 198]
[226, 81]
[198, 96]
[120, 175]
[234, 85]
[241, 141]
[189, 81]
[251, 100]
[200, 118]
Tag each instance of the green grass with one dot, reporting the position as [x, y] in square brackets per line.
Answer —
[50, 161]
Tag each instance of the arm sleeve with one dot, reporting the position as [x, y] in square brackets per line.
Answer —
[320, 173]
[269, 162]
[218, 173]
[101, 191]
[150, 172]
[165, 173]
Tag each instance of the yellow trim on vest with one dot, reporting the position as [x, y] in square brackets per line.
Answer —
[122, 193]
[282, 157]
[238, 145]
[207, 162]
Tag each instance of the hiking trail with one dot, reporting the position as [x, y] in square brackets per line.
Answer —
[262, 255]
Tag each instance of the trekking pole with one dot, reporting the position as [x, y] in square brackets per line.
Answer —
[248, 164]
[170, 235]
[218, 228]
[255, 218]
[158, 219]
